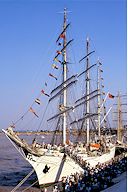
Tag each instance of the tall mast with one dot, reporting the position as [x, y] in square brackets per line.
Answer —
[120, 127]
[120, 118]
[64, 77]
[99, 100]
[87, 91]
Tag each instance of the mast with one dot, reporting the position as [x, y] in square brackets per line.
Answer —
[87, 91]
[99, 100]
[64, 78]
[120, 119]
[119, 127]
[103, 103]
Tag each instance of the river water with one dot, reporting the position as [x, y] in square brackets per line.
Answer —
[13, 167]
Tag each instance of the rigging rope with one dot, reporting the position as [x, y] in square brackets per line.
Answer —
[37, 181]
[22, 181]
[27, 176]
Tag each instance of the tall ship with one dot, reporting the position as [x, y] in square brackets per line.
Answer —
[79, 129]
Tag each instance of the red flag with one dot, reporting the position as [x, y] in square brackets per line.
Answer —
[52, 76]
[62, 35]
[42, 91]
[59, 52]
[111, 96]
[31, 110]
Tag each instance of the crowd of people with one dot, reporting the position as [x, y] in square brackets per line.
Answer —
[94, 179]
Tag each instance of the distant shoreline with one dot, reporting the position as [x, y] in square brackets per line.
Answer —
[46, 132]
[32, 132]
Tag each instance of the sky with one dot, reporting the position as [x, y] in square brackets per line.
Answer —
[28, 33]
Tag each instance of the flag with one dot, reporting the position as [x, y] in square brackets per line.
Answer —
[62, 35]
[61, 107]
[38, 101]
[42, 91]
[55, 59]
[31, 110]
[52, 76]
[55, 66]
[59, 52]
[111, 96]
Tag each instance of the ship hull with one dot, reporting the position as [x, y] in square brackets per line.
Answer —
[93, 161]
[53, 165]
[58, 167]
[62, 165]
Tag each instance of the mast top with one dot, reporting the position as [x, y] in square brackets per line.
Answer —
[88, 39]
[65, 11]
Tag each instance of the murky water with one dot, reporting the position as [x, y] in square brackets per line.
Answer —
[13, 167]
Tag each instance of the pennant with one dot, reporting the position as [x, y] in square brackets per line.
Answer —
[61, 107]
[62, 35]
[55, 66]
[52, 76]
[38, 101]
[31, 110]
[42, 91]
[59, 52]
[55, 59]
[111, 96]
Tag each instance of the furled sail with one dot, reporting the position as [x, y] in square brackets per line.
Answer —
[64, 88]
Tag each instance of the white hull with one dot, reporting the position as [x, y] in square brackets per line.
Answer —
[100, 159]
[62, 168]
[59, 167]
